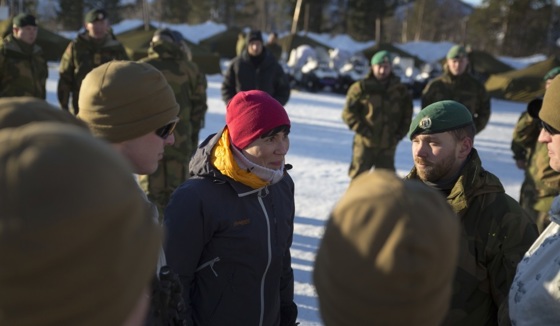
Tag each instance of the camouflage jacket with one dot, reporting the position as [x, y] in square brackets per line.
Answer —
[189, 86]
[378, 112]
[495, 234]
[464, 89]
[525, 146]
[23, 70]
[81, 56]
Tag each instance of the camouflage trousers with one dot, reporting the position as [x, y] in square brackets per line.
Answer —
[365, 158]
[159, 185]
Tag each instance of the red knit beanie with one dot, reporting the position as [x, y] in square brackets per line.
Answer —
[251, 114]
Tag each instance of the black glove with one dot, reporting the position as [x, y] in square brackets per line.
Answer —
[288, 314]
[167, 307]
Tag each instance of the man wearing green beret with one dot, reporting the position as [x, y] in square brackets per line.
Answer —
[541, 183]
[378, 109]
[88, 50]
[496, 231]
[23, 69]
[534, 294]
[459, 85]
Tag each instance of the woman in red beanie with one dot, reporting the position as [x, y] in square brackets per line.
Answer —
[230, 226]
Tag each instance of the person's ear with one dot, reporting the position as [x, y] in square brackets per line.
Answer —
[465, 147]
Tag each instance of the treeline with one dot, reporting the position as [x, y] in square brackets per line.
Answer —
[502, 27]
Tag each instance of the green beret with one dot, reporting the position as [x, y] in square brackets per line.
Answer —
[440, 117]
[23, 20]
[550, 110]
[456, 51]
[381, 57]
[552, 73]
[95, 15]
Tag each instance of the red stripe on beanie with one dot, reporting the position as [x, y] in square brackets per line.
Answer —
[251, 114]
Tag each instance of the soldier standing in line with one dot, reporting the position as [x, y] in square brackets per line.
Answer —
[90, 49]
[495, 230]
[378, 109]
[167, 53]
[541, 183]
[459, 85]
[23, 69]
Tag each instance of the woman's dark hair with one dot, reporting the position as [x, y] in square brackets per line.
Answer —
[283, 128]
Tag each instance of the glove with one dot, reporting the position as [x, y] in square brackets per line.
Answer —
[288, 314]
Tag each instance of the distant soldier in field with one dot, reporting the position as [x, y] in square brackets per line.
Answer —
[379, 110]
[459, 85]
[23, 69]
[541, 183]
[168, 54]
[90, 49]
[273, 47]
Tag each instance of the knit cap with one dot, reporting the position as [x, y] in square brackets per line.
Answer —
[550, 111]
[381, 57]
[251, 114]
[254, 36]
[440, 117]
[123, 100]
[78, 245]
[18, 111]
[456, 51]
[388, 254]
[22, 20]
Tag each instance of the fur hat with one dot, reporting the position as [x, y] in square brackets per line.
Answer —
[77, 240]
[550, 111]
[388, 255]
[439, 117]
[123, 100]
[251, 114]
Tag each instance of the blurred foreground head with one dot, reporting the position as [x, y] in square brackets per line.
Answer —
[388, 254]
[77, 242]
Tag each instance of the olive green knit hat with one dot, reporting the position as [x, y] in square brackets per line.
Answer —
[381, 57]
[78, 245]
[439, 117]
[388, 255]
[550, 111]
[456, 51]
[123, 100]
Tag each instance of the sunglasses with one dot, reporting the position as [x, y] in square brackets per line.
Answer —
[166, 131]
[551, 130]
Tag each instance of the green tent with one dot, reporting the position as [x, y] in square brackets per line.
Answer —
[137, 41]
[369, 52]
[53, 45]
[223, 43]
[521, 85]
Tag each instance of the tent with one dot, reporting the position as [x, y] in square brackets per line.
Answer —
[53, 45]
[521, 85]
[223, 43]
[137, 41]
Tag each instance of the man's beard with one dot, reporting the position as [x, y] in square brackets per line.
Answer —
[433, 172]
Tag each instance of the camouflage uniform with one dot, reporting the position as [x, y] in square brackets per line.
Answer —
[541, 182]
[496, 233]
[23, 70]
[81, 56]
[464, 89]
[189, 86]
[379, 112]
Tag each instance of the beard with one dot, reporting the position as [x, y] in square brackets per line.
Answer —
[434, 171]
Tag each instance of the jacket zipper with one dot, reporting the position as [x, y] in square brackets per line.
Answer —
[269, 247]
[211, 264]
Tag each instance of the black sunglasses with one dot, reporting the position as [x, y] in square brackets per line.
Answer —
[166, 131]
[551, 130]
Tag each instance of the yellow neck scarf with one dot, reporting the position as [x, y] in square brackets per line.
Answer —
[222, 159]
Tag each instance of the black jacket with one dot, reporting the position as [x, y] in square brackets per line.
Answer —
[268, 76]
[230, 245]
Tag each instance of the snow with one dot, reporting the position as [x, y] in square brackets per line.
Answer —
[320, 153]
